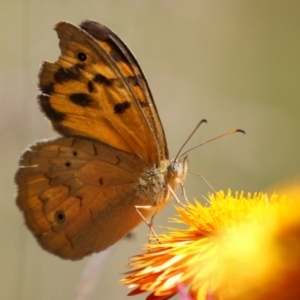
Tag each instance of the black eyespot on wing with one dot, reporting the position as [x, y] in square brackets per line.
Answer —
[67, 164]
[60, 216]
[81, 56]
[81, 99]
[99, 78]
[101, 180]
[74, 153]
[120, 108]
[50, 112]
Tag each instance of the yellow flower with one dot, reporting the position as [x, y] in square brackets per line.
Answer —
[238, 247]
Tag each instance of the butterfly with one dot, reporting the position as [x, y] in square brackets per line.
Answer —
[110, 168]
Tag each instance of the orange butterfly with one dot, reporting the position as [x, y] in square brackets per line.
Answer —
[82, 192]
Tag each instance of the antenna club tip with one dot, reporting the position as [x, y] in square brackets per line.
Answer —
[241, 130]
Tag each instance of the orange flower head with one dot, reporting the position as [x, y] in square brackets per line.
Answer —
[238, 247]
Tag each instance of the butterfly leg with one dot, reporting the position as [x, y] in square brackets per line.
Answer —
[205, 181]
[184, 193]
[175, 197]
[149, 224]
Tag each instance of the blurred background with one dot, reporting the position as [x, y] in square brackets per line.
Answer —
[235, 63]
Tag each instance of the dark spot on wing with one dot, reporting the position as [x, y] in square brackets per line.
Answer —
[47, 89]
[67, 164]
[60, 216]
[81, 99]
[90, 86]
[50, 112]
[120, 108]
[81, 56]
[133, 80]
[67, 74]
[101, 180]
[99, 78]
[143, 103]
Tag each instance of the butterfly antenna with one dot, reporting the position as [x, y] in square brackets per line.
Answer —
[217, 137]
[198, 125]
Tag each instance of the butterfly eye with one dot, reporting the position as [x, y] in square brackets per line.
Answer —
[174, 167]
[60, 216]
[81, 56]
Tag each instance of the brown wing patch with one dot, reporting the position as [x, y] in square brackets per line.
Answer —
[61, 182]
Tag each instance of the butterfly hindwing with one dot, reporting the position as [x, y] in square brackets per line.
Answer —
[73, 190]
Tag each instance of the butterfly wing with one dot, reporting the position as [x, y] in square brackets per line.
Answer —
[74, 193]
[138, 83]
[96, 89]
[78, 193]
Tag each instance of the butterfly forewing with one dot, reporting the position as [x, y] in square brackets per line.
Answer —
[88, 92]
[134, 76]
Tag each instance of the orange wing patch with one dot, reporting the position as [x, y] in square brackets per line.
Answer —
[88, 93]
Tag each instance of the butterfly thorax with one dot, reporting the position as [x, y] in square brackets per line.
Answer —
[155, 183]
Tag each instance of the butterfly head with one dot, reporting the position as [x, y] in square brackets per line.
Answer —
[176, 171]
